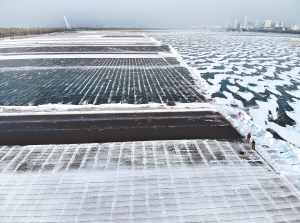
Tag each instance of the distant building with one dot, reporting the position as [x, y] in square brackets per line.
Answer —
[295, 27]
[267, 24]
[244, 24]
[97, 27]
[250, 25]
[204, 27]
[235, 23]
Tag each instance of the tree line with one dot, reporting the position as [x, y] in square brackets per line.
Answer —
[6, 32]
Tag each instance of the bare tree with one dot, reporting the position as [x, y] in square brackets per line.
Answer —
[10, 32]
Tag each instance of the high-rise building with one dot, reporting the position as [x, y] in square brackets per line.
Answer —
[244, 24]
[267, 24]
[250, 24]
[282, 24]
[235, 24]
[256, 23]
[295, 27]
[275, 24]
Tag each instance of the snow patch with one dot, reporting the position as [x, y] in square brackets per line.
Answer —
[246, 95]
[233, 88]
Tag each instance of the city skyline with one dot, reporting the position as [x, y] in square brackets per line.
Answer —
[246, 23]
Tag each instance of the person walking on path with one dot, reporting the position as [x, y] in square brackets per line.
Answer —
[253, 144]
[248, 138]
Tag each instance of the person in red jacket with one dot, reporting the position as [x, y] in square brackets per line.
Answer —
[248, 138]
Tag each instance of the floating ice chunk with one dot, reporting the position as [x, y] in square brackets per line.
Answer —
[295, 114]
[246, 95]
[258, 88]
[295, 71]
[215, 87]
[229, 100]
[242, 83]
[288, 132]
[216, 81]
[272, 88]
[294, 93]
[261, 115]
[233, 88]
[270, 72]
[231, 80]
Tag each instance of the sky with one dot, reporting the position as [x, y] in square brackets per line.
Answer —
[170, 14]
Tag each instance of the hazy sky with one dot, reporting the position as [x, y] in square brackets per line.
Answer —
[142, 13]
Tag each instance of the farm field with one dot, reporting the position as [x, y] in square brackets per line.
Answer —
[127, 72]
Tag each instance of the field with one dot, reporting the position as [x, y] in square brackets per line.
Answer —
[95, 81]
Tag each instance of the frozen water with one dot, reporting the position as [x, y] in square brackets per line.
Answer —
[233, 88]
[252, 67]
[256, 74]
[247, 95]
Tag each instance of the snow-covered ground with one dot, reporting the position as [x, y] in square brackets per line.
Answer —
[255, 74]
[156, 181]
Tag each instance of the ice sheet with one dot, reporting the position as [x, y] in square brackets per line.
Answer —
[267, 67]
[247, 95]
[233, 88]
